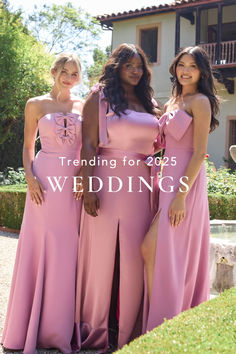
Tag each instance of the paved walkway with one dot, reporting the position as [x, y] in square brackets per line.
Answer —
[8, 244]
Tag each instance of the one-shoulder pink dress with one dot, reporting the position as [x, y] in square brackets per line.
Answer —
[42, 298]
[123, 216]
[181, 273]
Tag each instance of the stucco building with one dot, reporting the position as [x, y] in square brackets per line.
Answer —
[162, 30]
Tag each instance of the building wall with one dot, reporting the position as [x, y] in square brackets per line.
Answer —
[126, 31]
[187, 32]
[229, 14]
[218, 141]
[217, 144]
[212, 16]
[204, 26]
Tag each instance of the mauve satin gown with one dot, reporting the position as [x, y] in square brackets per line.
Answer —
[132, 135]
[42, 298]
[181, 273]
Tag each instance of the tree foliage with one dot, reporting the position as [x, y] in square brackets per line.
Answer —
[25, 62]
[62, 27]
[24, 67]
[99, 59]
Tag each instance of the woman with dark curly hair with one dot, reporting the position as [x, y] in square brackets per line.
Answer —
[176, 248]
[120, 126]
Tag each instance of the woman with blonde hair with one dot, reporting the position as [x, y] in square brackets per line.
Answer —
[41, 305]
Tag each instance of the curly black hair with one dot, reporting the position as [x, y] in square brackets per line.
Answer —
[111, 83]
[206, 82]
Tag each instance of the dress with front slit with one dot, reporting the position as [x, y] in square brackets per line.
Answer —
[123, 217]
[181, 272]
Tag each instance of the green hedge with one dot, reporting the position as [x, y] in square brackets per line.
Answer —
[222, 206]
[207, 328]
[12, 199]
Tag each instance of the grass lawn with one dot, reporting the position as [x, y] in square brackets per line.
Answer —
[207, 328]
[13, 188]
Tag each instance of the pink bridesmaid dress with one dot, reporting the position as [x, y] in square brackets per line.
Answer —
[123, 217]
[181, 274]
[42, 298]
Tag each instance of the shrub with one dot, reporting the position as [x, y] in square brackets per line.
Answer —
[222, 207]
[12, 201]
[221, 186]
[221, 195]
[220, 181]
[25, 72]
[10, 176]
[207, 328]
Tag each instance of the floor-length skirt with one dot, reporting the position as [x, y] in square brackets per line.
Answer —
[42, 298]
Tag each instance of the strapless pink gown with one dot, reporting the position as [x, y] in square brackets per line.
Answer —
[132, 135]
[42, 298]
[181, 274]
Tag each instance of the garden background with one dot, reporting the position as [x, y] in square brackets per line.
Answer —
[28, 44]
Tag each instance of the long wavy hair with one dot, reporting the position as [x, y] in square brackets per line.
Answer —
[111, 83]
[206, 82]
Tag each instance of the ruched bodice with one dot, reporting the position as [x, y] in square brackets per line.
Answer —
[60, 132]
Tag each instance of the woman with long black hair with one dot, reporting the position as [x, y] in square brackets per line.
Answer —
[176, 247]
[119, 124]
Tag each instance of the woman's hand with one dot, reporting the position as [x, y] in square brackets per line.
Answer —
[36, 190]
[91, 203]
[177, 210]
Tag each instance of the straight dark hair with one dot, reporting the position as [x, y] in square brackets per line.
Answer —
[111, 83]
[206, 82]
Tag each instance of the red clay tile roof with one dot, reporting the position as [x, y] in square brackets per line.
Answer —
[107, 20]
